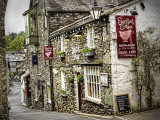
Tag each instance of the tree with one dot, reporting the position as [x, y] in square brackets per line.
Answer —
[17, 44]
[14, 41]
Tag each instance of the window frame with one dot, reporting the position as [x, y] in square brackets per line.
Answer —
[62, 44]
[91, 75]
[90, 37]
[63, 81]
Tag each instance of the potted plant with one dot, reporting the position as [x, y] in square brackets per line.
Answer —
[88, 52]
[69, 79]
[61, 54]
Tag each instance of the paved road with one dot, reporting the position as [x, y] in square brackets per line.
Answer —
[19, 112]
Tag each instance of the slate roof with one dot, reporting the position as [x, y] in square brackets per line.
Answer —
[75, 5]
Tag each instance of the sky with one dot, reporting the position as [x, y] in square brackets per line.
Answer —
[14, 20]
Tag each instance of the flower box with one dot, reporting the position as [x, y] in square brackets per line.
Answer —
[60, 54]
[88, 52]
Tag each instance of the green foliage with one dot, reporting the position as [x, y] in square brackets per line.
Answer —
[87, 50]
[143, 66]
[63, 91]
[70, 79]
[60, 52]
[79, 78]
[14, 41]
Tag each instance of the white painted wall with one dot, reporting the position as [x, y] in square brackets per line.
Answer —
[23, 87]
[121, 75]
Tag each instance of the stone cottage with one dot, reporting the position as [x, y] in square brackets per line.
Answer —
[4, 115]
[88, 71]
[43, 17]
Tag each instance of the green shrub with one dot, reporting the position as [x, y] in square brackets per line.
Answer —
[80, 78]
[60, 52]
[63, 91]
[70, 79]
[87, 50]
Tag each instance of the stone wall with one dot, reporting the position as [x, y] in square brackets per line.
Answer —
[101, 58]
[4, 115]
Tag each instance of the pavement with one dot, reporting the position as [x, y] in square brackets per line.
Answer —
[19, 112]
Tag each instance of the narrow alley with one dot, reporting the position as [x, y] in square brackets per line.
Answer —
[19, 112]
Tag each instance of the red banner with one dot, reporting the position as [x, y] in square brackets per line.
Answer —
[126, 36]
[48, 53]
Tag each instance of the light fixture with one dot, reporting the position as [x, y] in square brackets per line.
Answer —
[134, 11]
[96, 10]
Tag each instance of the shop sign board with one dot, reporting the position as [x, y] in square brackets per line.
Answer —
[126, 36]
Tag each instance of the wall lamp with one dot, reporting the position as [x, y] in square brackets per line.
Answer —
[96, 11]
[132, 11]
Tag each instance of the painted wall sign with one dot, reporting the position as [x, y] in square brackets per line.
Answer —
[48, 53]
[126, 36]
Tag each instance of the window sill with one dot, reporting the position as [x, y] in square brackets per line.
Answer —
[92, 100]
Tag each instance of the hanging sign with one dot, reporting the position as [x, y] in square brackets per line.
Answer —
[126, 36]
[34, 60]
[48, 53]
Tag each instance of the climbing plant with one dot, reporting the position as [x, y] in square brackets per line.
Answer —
[143, 65]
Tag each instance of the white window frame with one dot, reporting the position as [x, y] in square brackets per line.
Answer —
[36, 91]
[92, 72]
[62, 44]
[90, 37]
[63, 80]
[49, 92]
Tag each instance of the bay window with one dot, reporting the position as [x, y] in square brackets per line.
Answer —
[31, 26]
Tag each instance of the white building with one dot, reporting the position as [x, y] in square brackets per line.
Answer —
[148, 16]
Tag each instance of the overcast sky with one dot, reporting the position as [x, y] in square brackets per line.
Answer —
[14, 21]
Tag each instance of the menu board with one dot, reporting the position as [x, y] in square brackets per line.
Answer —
[123, 104]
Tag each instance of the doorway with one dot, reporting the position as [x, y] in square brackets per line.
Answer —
[79, 92]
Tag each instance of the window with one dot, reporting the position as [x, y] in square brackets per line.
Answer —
[31, 26]
[75, 52]
[63, 80]
[92, 82]
[49, 93]
[90, 37]
[62, 44]
[36, 91]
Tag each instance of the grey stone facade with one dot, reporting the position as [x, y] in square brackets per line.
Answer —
[67, 102]
[4, 115]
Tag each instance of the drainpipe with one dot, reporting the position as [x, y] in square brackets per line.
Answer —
[50, 67]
